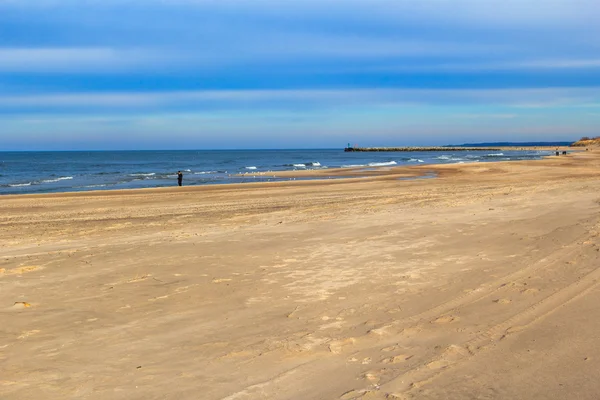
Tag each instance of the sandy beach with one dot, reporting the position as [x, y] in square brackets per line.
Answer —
[479, 282]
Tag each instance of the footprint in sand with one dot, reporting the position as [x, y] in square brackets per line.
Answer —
[384, 330]
[19, 305]
[511, 330]
[373, 376]
[20, 270]
[183, 289]
[445, 319]
[502, 301]
[138, 278]
[26, 334]
[450, 356]
[438, 364]
[220, 280]
[530, 291]
[400, 358]
[354, 394]
[159, 298]
[395, 396]
[337, 346]
[332, 325]
[514, 329]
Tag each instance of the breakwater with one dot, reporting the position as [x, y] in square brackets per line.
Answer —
[422, 149]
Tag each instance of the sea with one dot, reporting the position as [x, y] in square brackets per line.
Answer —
[74, 171]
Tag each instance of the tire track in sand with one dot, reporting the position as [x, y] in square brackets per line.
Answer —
[489, 289]
[453, 355]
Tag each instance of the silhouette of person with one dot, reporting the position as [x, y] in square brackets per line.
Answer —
[179, 178]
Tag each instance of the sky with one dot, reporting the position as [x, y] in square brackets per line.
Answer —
[236, 74]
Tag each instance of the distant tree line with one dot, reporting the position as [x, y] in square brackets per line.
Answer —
[587, 141]
[589, 138]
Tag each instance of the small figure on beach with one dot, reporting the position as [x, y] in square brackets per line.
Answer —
[180, 178]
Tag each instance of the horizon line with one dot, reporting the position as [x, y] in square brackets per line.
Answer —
[505, 143]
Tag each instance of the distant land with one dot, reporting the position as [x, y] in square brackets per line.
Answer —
[587, 141]
[511, 144]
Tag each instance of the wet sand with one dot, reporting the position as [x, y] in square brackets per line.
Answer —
[483, 282]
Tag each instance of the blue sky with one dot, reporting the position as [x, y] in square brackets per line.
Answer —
[206, 74]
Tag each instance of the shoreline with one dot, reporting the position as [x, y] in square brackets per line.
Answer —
[313, 175]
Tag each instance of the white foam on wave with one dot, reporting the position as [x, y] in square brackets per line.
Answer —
[449, 158]
[20, 184]
[354, 166]
[187, 170]
[250, 167]
[495, 154]
[93, 186]
[420, 161]
[382, 164]
[299, 165]
[150, 174]
[315, 164]
[205, 172]
[62, 178]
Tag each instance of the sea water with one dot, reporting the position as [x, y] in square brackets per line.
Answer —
[44, 172]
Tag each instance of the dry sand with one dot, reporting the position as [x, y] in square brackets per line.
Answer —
[483, 283]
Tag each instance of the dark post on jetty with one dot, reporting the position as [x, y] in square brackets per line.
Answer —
[437, 148]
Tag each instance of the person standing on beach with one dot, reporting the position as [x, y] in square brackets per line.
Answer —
[179, 178]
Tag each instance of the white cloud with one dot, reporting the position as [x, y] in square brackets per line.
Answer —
[287, 48]
[329, 46]
[485, 116]
[477, 66]
[255, 49]
[69, 59]
[476, 9]
[524, 98]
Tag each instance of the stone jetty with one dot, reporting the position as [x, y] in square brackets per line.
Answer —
[440, 148]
